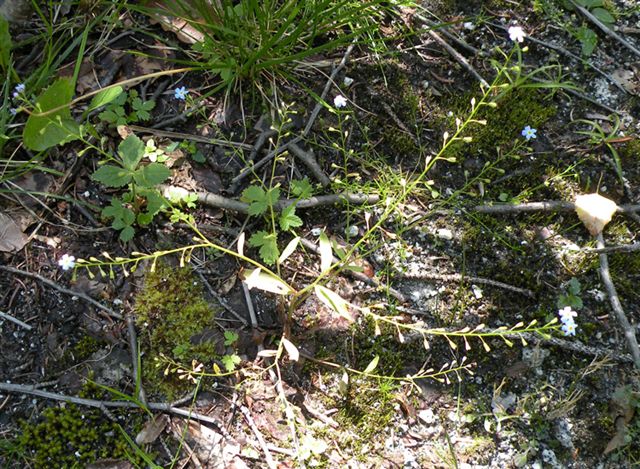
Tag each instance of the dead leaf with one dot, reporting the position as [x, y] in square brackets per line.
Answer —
[184, 31]
[152, 429]
[12, 239]
[623, 410]
[627, 79]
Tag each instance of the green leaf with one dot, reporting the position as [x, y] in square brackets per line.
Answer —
[142, 108]
[112, 176]
[268, 244]
[273, 195]
[590, 3]
[604, 16]
[5, 44]
[230, 337]
[105, 97]
[230, 361]
[326, 256]
[131, 150]
[256, 198]
[198, 157]
[289, 219]
[155, 202]
[301, 188]
[588, 40]
[46, 131]
[127, 233]
[574, 286]
[151, 175]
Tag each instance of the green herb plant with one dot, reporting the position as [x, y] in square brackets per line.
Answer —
[572, 295]
[265, 202]
[115, 112]
[142, 201]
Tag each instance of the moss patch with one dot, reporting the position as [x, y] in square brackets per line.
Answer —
[519, 108]
[171, 310]
[72, 437]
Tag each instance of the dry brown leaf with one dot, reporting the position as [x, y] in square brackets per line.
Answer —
[152, 429]
[183, 30]
[12, 239]
[627, 79]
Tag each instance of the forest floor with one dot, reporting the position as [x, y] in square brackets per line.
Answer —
[433, 341]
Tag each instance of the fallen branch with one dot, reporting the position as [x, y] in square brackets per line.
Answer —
[613, 249]
[55, 286]
[459, 57]
[8, 317]
[627, 328]
[545, 206]
[157, 406]
[218, 201]
[310, 162]
[468, 278]
[254, 428]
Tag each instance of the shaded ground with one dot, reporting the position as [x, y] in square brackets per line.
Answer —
[546, 404]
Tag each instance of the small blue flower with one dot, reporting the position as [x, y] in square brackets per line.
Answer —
[529, 133]
[569, 328]
[13, 111]
[180, 93]
[18, 90]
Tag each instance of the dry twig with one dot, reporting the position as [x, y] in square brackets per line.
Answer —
[627, 328]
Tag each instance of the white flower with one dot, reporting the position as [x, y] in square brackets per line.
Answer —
[339, 101]
[468, 25]
[316, 231]
[567, 314]
[516, 33]
[67, 262]
[347, 81]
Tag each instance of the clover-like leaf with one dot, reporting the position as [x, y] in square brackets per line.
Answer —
[301, 188]
[256, 197]
[230, 361]
[268, 244]
[289, 219]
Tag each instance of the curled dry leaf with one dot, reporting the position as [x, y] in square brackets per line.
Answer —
[152, 429]
[595, 211]
[12, 238]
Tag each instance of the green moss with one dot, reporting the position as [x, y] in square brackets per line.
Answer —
[71, 436]
[519, 108]
[170, 311]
